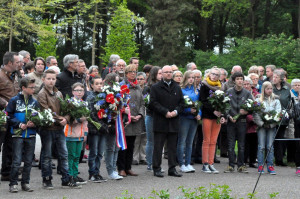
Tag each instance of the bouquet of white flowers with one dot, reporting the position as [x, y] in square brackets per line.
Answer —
[219, 101]
[190, 104]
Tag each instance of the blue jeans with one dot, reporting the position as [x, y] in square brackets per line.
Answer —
[21, 146]
[265, 136]
[97, 144]
[49, 138]
[111, 154]
[150, 138]
[186, 135]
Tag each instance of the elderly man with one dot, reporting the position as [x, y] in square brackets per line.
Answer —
[120, 69]
[166, 101]
[223, 76]
[8, 88]
[51, 61]
[26, 56]
[112, 61]
[191, 66]
[230, 84]
[69, 75]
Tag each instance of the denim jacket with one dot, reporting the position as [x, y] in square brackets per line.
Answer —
[194, 96]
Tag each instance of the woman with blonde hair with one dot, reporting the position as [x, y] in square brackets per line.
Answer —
[210, 127]
[188, 123]
[266, 132]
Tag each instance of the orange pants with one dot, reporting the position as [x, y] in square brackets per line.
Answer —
[210, 130]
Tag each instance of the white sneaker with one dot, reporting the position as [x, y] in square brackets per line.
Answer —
[162, 170]
[115, 176]
[184, 169]
[190, 168]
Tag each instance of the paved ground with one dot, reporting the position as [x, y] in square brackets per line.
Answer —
[285, 182]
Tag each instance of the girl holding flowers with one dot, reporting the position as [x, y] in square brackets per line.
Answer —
[210, 127]
[75, 134]
[266, 132]
[188, 122]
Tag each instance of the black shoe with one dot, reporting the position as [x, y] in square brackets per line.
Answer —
[5, 178]
[83, 161]
[71, 184]
[280, 163]
[135, 162]
[26, 187]
[253, 165]
[158, 174]
[53, 165]
[217, 161]
[79, 180]
[143, 162]
[34, 164]
[224, 155]
[174, 173]
[47, 184]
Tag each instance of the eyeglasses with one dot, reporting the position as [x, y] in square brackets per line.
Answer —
[131, 71]
[168, 72]
[32, 87]
[139, 79]
[79, 90]
[217, 75]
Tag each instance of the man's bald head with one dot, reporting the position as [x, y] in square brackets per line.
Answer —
[236, 69]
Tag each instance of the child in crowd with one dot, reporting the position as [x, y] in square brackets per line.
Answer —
[266, 132]
[23, 144]
[48, 98]
[75, 134]
[96, 138]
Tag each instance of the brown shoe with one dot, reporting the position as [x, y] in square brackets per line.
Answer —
[130, 173]
[122, 173]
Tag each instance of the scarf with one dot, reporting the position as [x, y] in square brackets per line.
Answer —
[295, 93]
[212, 85]
[133, 83]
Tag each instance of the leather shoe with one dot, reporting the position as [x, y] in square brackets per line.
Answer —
[130, 173]
[216, 160]
[253, 165]
[143, 162]
[174, 173]
[158, 174]
[135, 162]
[122, 173]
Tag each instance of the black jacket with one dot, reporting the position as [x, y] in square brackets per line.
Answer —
[207, 109]
[65, 80]
[164, 98]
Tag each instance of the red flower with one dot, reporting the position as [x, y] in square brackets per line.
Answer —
[124, 89]
[110, 98]
[101, 113]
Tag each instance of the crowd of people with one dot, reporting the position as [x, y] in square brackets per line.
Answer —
[157, 122]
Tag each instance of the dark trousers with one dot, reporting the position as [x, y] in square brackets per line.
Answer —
[236, 131]
[297, 143]
[6, 154]
[159, 140]
[23, 149]
[223, 143]
[125, 157]
[251, 148]
[280, 146]
[197, 145]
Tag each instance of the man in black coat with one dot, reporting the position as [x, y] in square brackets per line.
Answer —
[166, 101]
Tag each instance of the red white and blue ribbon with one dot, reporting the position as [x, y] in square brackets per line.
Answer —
[120, 133]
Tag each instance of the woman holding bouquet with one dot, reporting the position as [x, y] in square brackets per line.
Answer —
[210, 127]
[188, 122]
[155, 76]
[137, 111]
[266, 132]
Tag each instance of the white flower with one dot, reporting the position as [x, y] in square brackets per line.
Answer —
[226, 99]
[116, 88]
[219, 92]
[248, 105]
[97, 107]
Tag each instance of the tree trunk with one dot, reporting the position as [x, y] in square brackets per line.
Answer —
[267, 17]
[11, 26]
[103, 26]
[94, 35]
[201, 37]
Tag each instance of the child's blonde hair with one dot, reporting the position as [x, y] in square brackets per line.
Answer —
[262, 96]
